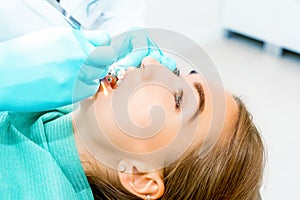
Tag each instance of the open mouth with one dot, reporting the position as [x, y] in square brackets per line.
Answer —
[111, 81]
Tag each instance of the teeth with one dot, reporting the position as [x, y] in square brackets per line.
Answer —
[119, 82]
[121, 74]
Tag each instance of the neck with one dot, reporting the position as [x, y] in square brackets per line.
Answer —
[86, 131]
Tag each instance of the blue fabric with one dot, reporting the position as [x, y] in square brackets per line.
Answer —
[39, 158]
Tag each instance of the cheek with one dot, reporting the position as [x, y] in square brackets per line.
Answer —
[148, 103]
[145, 107]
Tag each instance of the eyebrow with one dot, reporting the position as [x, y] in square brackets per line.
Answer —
[201, 103]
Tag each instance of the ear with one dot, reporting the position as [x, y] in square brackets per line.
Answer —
[140, 184]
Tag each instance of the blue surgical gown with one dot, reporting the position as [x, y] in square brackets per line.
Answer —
[39, 158]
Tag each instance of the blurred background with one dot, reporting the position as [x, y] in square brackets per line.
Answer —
[261, 64]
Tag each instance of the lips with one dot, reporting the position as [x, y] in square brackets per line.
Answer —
[105, 87]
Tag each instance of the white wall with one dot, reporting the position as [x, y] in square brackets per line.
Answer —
[194, 18]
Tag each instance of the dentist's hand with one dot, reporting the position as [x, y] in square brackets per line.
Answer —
[129, 49]
[38, 70]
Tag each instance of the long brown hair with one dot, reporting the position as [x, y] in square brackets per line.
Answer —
[232, 170]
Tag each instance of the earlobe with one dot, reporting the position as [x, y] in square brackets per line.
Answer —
[141, 184]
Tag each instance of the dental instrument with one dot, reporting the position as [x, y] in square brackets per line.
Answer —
[67, 16]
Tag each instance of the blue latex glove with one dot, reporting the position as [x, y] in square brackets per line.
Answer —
[129, 49]
[38, 70]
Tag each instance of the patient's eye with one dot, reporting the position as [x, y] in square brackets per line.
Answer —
[178, 98]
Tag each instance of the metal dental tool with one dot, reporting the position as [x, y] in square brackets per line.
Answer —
[67, 16]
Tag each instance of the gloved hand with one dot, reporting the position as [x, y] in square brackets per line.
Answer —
[38, 70]
[129, 49]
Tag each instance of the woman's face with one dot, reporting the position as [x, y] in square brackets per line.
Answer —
[153, 110]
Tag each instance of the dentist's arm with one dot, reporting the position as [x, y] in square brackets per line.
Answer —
[38, 70]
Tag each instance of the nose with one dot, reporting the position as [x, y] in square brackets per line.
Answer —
[149, 61]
